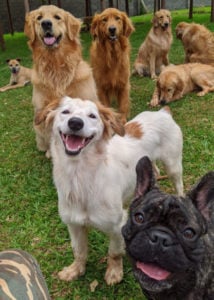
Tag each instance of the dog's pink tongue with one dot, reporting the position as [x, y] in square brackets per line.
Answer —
[49, 40]
[74, 142]
[153, 271]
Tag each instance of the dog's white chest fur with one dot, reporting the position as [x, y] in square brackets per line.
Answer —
[93, 194]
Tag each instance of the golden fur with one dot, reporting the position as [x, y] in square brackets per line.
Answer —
[59, 68]
[176, 81]
[110, 51]
[153, 52]
[20, 76]
[198, 42]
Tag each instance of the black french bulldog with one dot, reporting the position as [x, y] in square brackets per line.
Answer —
[170, 239]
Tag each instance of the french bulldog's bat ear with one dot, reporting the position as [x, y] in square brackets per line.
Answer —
[202, 195]
[145, 177]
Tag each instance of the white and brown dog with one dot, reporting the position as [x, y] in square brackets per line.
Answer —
[20, 76]
[94, 172]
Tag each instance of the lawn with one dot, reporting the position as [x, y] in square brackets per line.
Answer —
[28, 202]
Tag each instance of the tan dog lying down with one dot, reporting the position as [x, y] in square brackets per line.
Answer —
[153, 52]
[20, 76]
[176, 81]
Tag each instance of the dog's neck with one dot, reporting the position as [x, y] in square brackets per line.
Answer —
[112, 49]
[54, 69]
[14, 77]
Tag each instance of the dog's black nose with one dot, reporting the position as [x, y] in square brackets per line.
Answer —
[163, 101]
[75, 124]
[166, 25]
[160, 238]
[46, 24]
[112, 30]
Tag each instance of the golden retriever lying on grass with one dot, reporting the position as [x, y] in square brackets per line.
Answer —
[110, 59]
[153, 52]
[176, 81]
[198, 42]
[59, 68]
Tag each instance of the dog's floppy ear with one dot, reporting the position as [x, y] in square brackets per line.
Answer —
[73, 26]
[128, 27]
[7, 60]
[202, 195]
[111, 121]
[94, 26]
[28, 27]
[145, 177]
[155, 21]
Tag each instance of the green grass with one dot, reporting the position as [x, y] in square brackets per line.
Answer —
[28, 202]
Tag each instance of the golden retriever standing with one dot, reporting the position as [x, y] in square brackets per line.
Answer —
[153, 52]
[110, 59]
[20, 76]
[95, 176]
[58, 65]
[198, 42]
[176, 81]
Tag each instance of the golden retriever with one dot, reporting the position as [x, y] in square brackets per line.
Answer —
[94, 172]
[20, 76]
[110, 51]
[176, 81]
[59, 68]
[198, 42]
[153, 52]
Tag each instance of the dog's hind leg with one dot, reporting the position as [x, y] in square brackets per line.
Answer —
[175, 172]
[79, 242]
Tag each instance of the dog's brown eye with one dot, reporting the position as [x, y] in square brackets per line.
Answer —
[65, 112]
[189, 233]
[139, 218]
[117, 18]
[104, 20]
[57, 17]
[92, 116]
[39, 18]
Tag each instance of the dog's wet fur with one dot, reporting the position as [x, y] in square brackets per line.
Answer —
[170, 239]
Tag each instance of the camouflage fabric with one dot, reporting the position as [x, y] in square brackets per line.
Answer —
[21, 277]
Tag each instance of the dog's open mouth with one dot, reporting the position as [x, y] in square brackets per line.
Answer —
[153, 271]
[50, 40]
[165, 26]
[74, 143]
[112, 38]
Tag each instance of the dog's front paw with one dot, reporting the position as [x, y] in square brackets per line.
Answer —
[154, 102]
[114, 272]
[72, 272]
[154, 77]
[201, 93]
